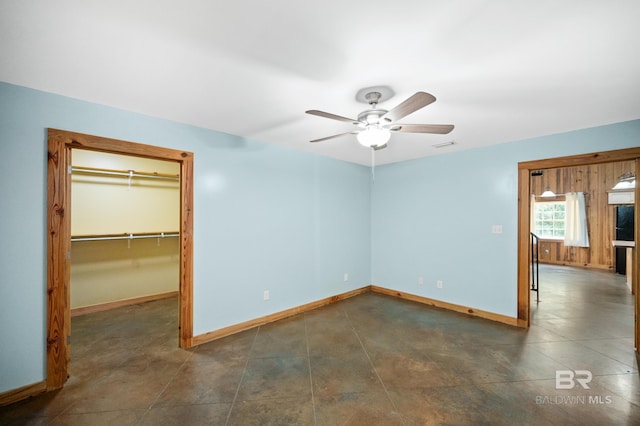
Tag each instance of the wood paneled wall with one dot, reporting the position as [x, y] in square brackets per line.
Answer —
[594, 180]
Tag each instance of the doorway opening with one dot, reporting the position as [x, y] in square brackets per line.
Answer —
[60, 145]
[524, 227]
[125, 216]
[586, 307]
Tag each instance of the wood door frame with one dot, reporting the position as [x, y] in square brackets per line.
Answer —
[60, 143]
[524, 188]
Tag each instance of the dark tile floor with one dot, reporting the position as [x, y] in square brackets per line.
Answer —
[369, 360]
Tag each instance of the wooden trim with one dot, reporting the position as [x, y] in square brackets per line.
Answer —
[237, 328]
[635, 276]
[573, 265]
[21, 393]
[524, 237]
[185, 318]
[120, 303]
[582, 159]
[116, 146]
[60, 144]
[524, 176]
[58, 266]
[449, 306]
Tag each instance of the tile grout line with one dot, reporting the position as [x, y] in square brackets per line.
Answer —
[244, 372]
[606, 355]
[579, 342]
[386, 391]
[313, 399]
[165, 388]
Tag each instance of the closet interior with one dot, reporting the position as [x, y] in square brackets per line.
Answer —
[125, 217]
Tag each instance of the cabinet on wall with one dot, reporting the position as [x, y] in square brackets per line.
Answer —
[124, 226]
[622, 197]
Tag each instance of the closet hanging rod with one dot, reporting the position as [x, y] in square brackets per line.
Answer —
[125, 237]
[125, 173]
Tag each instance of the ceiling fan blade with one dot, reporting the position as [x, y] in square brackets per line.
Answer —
[331, 116]
[441, 129]
[332, 136]
[411, 104]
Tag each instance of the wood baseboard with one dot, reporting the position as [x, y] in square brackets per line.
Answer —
[236, 328]
[578, 265]
[449, 306]
[37, 388]
[21, 393]
[118, 304]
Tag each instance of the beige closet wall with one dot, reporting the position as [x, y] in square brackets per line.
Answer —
[112, 271]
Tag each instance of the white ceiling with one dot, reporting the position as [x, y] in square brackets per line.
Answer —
[502, 70]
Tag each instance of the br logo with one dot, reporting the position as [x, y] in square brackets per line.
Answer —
[566, 379]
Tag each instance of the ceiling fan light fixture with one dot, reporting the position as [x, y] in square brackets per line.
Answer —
[627, 181]
[548, 193]
[374, 136]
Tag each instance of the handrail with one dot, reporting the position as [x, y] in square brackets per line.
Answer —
[535, 265]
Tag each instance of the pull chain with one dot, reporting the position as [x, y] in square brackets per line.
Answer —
[373, 165]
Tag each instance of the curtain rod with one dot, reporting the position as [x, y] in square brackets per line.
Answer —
[124, 237]
[125, 173]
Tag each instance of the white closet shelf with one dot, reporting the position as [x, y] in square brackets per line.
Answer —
[123, 236]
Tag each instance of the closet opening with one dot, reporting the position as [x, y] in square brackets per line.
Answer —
[125, 220]
[147, 244]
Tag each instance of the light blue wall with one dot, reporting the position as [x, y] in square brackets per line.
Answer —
[270, 218]
[277, 220]
[433, 217]
[266, 218]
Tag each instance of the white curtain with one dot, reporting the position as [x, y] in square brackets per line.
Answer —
[575, 233]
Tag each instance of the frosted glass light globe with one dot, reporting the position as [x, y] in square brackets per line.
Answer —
[374, 136]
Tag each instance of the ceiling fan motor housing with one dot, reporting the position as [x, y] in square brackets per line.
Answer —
[371, 116]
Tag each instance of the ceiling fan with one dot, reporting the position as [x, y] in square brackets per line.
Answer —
[376, 124]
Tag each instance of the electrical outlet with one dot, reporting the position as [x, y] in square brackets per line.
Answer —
[496, 229]
[265, 295]
[439, 283]
[346, 276]
[421, 280]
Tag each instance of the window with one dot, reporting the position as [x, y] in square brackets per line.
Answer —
[549, 218]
